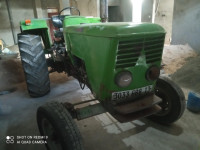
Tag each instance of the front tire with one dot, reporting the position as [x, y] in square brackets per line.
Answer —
[34, 64]
[56, 122]
[173, 101]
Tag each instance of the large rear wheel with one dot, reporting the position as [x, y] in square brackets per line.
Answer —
[56, 122]
[34, 64]
[173, 101]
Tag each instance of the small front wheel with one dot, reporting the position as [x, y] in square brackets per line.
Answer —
[55, 122]
[173, 101]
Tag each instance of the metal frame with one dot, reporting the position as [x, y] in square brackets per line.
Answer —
[124, 112]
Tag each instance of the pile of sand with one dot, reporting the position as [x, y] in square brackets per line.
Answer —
[188, 76]
[175, 56]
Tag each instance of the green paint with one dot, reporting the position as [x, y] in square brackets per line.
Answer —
[77, 20]
[35, 24]
[97, 45]
[121, 29]
[38, 27]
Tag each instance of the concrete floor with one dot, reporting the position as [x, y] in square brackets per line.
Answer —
[101, 132]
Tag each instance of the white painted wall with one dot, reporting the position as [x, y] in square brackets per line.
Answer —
[38, 9]
[49, 4]
[113, 2]
[19, 10]
[147, 9]
[126, 10]
[5, 31]
[86, 7]
[64, 3]
[186, 23]
[164, 17]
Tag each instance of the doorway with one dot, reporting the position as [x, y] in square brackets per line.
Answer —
[114, 14]
[52, 12]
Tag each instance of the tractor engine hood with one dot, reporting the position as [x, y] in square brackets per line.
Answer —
[114, 29]
[110, 48]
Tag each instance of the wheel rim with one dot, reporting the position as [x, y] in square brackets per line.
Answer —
[165, 104]
[53, 140]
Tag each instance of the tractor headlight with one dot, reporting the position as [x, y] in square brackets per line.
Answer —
[153, 73]
[123, 79]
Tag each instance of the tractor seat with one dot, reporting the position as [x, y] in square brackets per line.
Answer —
[58, 21]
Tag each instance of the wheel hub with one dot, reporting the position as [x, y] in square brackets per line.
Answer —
[165, 104]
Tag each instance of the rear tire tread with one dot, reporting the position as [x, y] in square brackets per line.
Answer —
[34, 64]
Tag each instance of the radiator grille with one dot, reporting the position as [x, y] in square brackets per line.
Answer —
[130, 50]
[153, 48]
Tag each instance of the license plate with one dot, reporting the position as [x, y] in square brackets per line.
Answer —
[131, 93]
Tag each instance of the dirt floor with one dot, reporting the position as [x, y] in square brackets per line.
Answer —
[11, 73]
[188, 76]
[101, 132]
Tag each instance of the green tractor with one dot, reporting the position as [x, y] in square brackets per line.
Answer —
[119, 62]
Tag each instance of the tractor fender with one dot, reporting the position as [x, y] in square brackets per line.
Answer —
[37, 27]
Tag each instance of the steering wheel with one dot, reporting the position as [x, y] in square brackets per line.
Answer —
[70, 9]
[58, 20]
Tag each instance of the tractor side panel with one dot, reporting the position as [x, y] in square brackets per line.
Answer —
[94, 52]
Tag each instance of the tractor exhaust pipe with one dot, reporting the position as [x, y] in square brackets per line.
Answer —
[104, 10]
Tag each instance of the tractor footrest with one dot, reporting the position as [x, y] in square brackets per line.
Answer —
[89, 111]
[143, 103]
[136, 115]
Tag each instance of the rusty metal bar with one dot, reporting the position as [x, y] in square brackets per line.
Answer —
[143, 103]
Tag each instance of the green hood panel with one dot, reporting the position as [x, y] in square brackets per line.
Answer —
[77, 20]
[122, 29]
